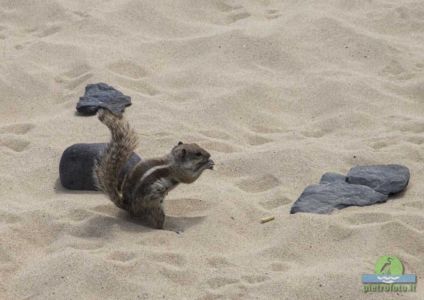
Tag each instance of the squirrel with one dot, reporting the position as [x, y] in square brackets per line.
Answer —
[144, 188]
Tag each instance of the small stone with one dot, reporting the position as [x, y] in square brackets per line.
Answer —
[386, 179]
[77, 163]
[101, 95]
[324, 198]
[332, 177]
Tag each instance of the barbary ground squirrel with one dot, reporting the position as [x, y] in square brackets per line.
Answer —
[144, 188]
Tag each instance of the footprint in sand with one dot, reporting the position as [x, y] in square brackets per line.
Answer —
[418, 140]
[237, 16]
[218, 262]
[218, 282]
[155, 241]
[121, 256]
[339, 232]
[315, 132]
[211, 296]
[19, 129]
[132, 76]
[49, 31]
[259, 184]
[413, 127]
[94, 227]
[9, 136]
[75, 76]
[5, 258]
[8, 218]
[279, 267]
[275, 203]
[180, 277]
[272, 14]
[233, 12]
[254, 279]
[169, 258]
[14, 144]
[81, 14]
[224, 6]
[2, 35]
[261, 129]
[256, 140]
[380, 145]
[393, 69]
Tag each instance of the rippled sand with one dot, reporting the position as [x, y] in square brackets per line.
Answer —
[278, 91]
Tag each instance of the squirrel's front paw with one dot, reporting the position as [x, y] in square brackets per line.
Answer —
[157, 218]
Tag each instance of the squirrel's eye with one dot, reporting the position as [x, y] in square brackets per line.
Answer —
[199, 154]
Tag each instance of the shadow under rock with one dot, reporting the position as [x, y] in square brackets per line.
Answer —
[398, 195]
[59, 189]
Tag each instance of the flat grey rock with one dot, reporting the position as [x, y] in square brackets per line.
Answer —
[332, 177]
[324, 198]
[386, 179]
[101, 95]
[77, 163]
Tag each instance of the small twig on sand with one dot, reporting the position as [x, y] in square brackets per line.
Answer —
[267, 219]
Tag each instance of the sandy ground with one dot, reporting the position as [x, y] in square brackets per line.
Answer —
[278, 91]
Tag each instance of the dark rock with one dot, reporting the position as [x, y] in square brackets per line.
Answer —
[101, 95]
[386, 179]
[77, 162]
[332, 177]
[324, 198]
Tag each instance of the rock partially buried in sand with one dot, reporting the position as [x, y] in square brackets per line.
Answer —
[386, 179]
[324, 198]
[77, 162]
[101, 95]
[332, 177]
[363, 185]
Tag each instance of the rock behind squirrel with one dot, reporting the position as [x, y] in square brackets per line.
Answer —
[77, 164]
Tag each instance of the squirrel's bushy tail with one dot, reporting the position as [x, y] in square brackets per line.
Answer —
[123, 142]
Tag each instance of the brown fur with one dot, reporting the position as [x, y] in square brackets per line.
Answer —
[143, 190]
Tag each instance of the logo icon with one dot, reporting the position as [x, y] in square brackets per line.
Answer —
[389, 277]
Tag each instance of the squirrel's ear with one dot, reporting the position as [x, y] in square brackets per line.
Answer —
[180, 143]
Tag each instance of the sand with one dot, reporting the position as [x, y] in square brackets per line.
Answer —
[278, 91]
